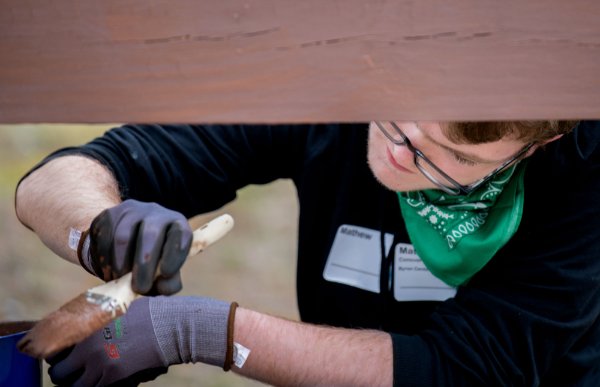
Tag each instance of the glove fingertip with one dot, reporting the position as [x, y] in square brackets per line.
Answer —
[141, 283]
[175, 252]
[64, 375]
[169, 286]
[168, 267]
[60, 356]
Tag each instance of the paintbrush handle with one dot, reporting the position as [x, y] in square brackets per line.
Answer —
[209, 233]
[92, 310]
[119, 291]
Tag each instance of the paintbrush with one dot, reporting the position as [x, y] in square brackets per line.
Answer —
[98, 306]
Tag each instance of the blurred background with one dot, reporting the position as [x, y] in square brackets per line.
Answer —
[254, 264]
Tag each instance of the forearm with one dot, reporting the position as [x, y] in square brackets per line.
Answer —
[67, 192]
[296, 354]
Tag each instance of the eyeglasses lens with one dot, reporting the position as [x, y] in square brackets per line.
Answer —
[435, 176]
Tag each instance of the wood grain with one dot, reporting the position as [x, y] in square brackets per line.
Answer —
[298, 61]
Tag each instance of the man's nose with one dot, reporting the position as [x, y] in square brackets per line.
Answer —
[403, 155]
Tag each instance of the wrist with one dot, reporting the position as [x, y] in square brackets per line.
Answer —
[83, 252]
[194, 329]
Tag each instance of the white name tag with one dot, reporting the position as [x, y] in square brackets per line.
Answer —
[413, 281]
[355, 260]
[355, 257]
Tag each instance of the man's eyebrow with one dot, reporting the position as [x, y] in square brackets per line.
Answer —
[464, 155]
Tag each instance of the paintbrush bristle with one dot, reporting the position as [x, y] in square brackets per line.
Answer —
[71, 324]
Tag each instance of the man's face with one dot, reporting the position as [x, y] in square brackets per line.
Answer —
[394, 167]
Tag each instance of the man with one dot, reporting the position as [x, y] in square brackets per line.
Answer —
[429, 253]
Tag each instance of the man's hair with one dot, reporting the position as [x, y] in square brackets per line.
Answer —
[526, 131]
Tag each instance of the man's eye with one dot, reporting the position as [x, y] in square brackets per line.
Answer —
[464, 161]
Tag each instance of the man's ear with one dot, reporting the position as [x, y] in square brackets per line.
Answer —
[541, 144]
[552, 139]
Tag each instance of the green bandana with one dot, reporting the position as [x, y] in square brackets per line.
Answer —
[456, 236]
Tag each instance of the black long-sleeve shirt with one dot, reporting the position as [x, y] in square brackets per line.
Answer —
[529, 317]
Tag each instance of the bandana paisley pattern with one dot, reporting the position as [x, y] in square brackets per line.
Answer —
[456, 217]
[456, 236]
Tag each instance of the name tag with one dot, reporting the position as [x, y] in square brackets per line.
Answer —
[355, 257]
[413, 281]
[355, 260]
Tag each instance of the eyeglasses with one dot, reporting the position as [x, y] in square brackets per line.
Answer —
[434, 174]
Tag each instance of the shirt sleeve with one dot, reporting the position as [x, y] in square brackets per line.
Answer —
[531, 316]
[194, 168]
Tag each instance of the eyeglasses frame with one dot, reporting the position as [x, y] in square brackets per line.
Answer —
[457, 188]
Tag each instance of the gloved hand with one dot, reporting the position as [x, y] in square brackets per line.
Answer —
[141, 238]
[156, 332]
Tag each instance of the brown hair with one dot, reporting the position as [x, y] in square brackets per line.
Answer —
[526, 131]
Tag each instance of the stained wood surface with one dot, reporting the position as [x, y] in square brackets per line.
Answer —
[295, 61]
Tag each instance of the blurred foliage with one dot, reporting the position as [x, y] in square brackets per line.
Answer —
[254, 265]
[22, 146]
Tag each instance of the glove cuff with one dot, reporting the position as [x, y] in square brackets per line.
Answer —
[83, 252]
[229, 360]
[194, 329]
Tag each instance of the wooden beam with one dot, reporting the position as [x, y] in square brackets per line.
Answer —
[294, 61]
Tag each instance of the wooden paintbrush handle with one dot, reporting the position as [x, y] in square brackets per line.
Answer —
[210, 233]
[120, 291]
[95, 308]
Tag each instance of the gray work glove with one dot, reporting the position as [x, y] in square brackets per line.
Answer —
[138, 237]
[156, 332]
